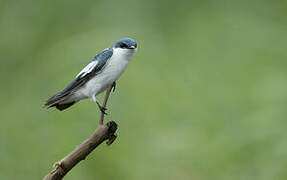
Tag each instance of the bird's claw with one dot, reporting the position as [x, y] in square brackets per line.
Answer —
[102, 109]
[114, 86]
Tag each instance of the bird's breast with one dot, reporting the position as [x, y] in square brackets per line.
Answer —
[110, 73]
[114, 68]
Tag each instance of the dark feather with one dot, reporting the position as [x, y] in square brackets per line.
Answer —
[61, 107]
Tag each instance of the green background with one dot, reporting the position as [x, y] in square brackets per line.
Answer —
[204, 98]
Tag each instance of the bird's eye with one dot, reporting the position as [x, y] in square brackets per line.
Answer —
[122, 45]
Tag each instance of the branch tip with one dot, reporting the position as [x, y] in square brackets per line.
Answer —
[112, 128]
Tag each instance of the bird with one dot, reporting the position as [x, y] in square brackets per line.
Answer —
[99, 74]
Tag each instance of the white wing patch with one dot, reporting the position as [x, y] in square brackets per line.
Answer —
[88, 69]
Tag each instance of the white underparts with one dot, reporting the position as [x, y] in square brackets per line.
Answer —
[114, 67]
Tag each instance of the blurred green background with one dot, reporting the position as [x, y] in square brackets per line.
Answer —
[204, 98]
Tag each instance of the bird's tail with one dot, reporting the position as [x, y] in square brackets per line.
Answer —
[58, 101]
[64, 106]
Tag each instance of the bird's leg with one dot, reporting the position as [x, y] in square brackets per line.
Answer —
[114, 86]
[102, 108]
[108, 92]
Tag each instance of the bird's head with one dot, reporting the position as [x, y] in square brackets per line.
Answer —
[125, 48]
[125, 43]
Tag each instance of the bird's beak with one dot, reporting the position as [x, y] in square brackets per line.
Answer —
[132, 47]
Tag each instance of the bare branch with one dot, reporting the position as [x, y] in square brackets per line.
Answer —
[102, 133]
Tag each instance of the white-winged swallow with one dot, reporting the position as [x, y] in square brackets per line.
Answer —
[102, 71]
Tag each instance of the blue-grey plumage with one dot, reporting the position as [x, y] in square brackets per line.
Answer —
[104, 69]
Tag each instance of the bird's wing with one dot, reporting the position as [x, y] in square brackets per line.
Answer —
[92, 69]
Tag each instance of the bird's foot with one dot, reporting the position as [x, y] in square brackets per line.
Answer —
[114, 86]
[102, 109]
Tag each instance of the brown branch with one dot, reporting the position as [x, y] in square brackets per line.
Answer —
[102, 133]
[108, 92]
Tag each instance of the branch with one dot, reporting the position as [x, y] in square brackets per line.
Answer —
[102, 133]
[108, 92]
